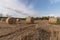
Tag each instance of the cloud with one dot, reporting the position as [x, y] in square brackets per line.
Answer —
[54, 1]
[16, 5]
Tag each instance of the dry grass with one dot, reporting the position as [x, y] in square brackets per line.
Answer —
[39, 31]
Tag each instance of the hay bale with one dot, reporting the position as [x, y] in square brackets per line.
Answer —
[11, 20]
[29, 20]
[17, 20]
[53, 20]
[3, 19]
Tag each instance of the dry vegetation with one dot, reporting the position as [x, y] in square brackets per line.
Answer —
[40, 30]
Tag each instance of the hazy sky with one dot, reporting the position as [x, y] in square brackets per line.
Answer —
[30, 7]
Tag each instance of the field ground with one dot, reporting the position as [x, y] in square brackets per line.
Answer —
[23, 31]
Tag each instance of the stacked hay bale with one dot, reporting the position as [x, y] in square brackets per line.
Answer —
[54, 20]
[29, 20]
[11, 20]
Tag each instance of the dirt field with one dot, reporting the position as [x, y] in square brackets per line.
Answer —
[40, 30]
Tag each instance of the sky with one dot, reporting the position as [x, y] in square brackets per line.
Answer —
[35, 8]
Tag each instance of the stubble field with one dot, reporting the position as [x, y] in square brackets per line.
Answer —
[40, 30]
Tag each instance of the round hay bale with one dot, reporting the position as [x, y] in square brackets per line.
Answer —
[3, 19]
[53, 20]
[17, 20]
[11, 20]
[29, 20]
